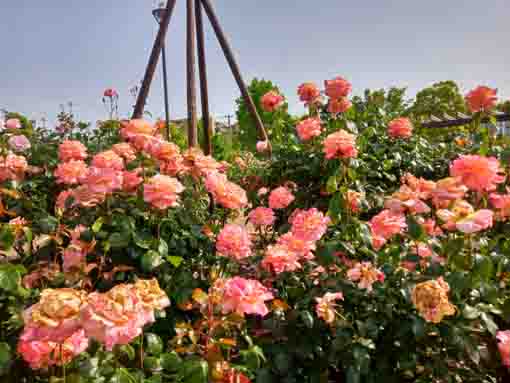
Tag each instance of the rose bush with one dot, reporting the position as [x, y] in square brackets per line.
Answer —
[362, 250]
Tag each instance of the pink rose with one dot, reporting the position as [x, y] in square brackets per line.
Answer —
[482, 98]
[280, 198]
[271, 101]
[262, 146]
[400, 128]
[234, 242]
[337, 88]
[13, 123]
[309, 128]
[19, 143]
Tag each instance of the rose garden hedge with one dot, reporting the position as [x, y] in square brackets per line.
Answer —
[355, 248]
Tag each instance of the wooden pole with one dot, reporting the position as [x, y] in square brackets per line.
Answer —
[190, 74]
[202, 69]
[234, 67]
[153, 60]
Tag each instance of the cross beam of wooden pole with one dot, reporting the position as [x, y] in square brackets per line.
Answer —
[194, 20]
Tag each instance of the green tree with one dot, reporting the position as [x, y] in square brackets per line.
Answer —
[276, 123]
[440, 99]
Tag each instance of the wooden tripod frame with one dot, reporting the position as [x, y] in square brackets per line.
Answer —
[194, 21]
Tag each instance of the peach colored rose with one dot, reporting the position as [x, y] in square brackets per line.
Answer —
[173, 167]
[43, 354]
[341, 105]
[125, 150]
[303, 248]
[279, 258]
[308, 92]
[309, 225]
[71, 172]
[115, 317]
[224, 192]
[243, 296]
[262, 216]
[478, 173]
[131, 180]
[482, 98]
[478, 221]
[337, 88]
[500, 202]
[103, 180]
[280, 198]
[325, 307]
[271, 101]
[431, 300]
[385, 225]
[136, 127]
[366, 275]
[55, 317]
[108, 159]
[163, 150]
[447, 190]
[86, 197]
[340, 145]
[400, 128]
[152, 298]
[72, 150]
[234, 242]
[162, 191]
[309, 128]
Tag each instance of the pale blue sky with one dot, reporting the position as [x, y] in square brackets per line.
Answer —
[55, 51]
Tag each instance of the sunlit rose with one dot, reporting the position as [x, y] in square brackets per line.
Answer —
[326, 305]
[365, 274]
[71, 172]
[400, 128]
[280, 198]
[337, 88]
[271, 101]
[234, 242]
[482, 98]
[108, 159]
[309, 128]
[431, 300]
[341, 105]
[308, 92]
[340, 145]
[162, 191]
[71, 150]
[243, 296]
[478, 173]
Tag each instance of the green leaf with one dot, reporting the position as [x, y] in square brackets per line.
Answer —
[307, 318]
[195, 371]
[174, 260]
[125, 350]
[163, 247]
[483, 266]
[119, 240]
[352, 375]
[171, 361]
[491, 326]
[10, 278]
[470, 312]
[152, 363]
[153, 344]
[96, 226]
[332, 184]
[414, 229]
[143, 239]
[150, 260]
[5, 356]
[7, 237]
